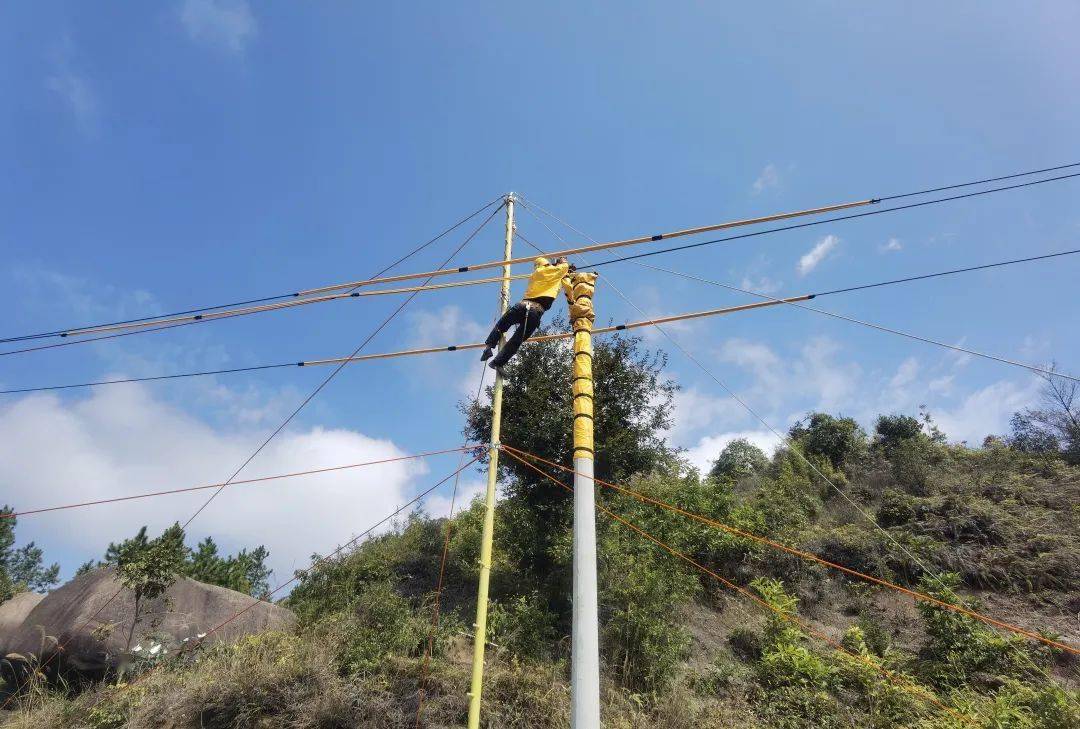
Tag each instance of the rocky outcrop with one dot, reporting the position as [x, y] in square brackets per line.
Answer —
[12, 614]
[83, 628]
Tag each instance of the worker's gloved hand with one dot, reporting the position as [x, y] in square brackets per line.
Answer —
[572, 268]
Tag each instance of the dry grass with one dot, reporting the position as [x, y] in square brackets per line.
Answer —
[277, 680]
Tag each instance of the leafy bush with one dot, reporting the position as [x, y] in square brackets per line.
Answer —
[960, 650]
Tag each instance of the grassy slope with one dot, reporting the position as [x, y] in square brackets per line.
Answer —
[680, 650]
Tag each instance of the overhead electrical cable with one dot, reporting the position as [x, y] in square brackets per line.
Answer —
[332, 375]
[429, 275]
[265, 299]
[980, 182]
[351, 286]
[452, 348]
[836, 219]
[880, 327]
[261, 479]
[294, 303]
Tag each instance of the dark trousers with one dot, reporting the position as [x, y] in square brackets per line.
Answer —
[526, 317]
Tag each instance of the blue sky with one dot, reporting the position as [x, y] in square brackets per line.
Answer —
[182, 153]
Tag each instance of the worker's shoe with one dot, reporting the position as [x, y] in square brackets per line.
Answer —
[498, 369]
[486, 355]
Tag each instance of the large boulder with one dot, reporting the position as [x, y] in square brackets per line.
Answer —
[12, 614]
[82, 629]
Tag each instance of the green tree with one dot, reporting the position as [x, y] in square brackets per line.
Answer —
[838, 439]
[632, 409]
[149, 568]
[739, 459]
[892, 430]
[22, 568]
[245, 572]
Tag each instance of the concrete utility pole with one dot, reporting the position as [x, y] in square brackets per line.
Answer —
[480, 626]
[585, 645]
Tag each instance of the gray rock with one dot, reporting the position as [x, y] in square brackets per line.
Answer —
[13, 613]
[82, 628]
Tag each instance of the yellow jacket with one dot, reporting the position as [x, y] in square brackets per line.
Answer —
[546, 279]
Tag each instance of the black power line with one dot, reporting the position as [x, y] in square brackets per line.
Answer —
[263, 300]
[838, 218]
[860, 287]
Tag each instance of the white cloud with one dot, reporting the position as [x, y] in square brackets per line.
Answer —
[987, 411]
[122, 440]
[442, 327]
[817, 254]
[942, 385]
[446, 325]
[227, 24]
[905, 373]
[73, 88]
[695, 410]
[893, 244]
[762, 285]
[708, 448]
[768, 179]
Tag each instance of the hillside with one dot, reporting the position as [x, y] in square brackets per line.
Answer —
[994, 528]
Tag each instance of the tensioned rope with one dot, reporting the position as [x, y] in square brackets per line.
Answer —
[912, 687]
[264, 299]
[809, 556]
[238, 482]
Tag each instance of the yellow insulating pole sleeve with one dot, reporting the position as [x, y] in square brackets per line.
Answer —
[579, 295]
[480, 626]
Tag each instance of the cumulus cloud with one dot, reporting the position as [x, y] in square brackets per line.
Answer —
[987, 410]
[439, 328]
[695, 410]
[122, 440]
[812, 258]
[226, 24]
[893, 244]
[768, 179]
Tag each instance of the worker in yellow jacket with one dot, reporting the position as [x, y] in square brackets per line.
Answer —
[544, 284]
